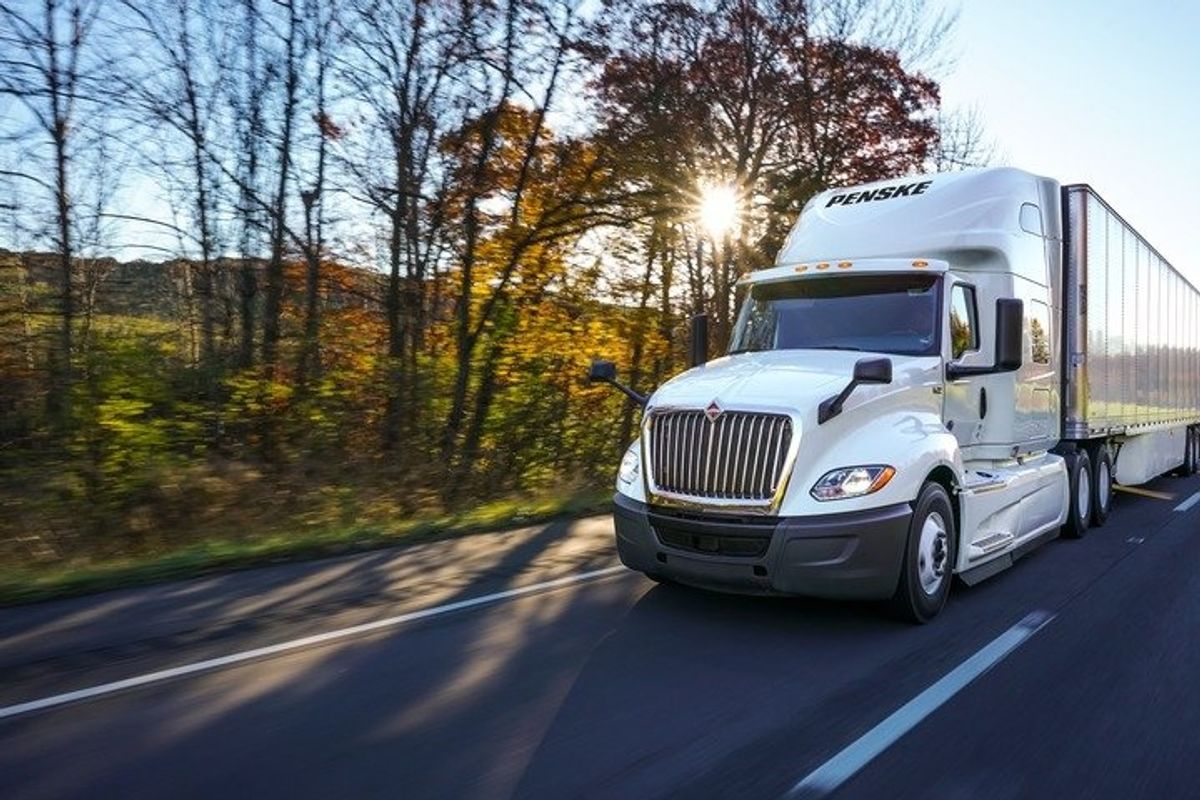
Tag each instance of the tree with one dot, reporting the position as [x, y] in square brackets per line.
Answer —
[319, 28]
[177, 94]
[777, 100]
[47, 69]
[399, 65]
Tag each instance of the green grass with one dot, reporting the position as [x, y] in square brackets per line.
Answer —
[26, 585]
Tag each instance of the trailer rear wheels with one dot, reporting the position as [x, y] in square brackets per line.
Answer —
[928, 567]
[1102, 483]
[1191, 461]
[1079, 505]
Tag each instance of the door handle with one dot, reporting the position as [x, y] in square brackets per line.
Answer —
[982, 402]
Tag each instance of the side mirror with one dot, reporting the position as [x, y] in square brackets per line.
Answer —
[866, 370]
[602, 371]
[698, 345]
[1010, 327]
[873, 370]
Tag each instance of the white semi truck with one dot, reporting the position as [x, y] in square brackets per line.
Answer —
[938, 374]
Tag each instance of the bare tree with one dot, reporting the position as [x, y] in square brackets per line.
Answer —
[319, 29]
[175, 94]
[963, 142]
[247, 79]
[401, 64]
[46, 67]
[290, 37]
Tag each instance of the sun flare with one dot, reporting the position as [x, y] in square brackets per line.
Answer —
[719, 208]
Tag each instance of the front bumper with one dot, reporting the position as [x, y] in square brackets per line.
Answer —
[855, 554]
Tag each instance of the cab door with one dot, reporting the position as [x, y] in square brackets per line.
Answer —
[965, 402]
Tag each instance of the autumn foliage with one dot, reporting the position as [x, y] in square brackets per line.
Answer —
[398, 233]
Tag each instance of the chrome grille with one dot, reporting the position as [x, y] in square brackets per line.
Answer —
[738, 456]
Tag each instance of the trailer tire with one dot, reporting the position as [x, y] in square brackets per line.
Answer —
[1188, 468]
[928, 567]
[1102, 483]
[1079, 501]
[1191, 463]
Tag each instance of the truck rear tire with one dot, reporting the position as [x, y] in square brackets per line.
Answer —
[928, 568]
[1079, 501]
[1102, 483]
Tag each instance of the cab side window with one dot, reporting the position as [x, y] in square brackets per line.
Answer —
[964, 326]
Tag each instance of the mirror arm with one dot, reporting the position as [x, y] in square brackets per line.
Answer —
[832, 406]
[637, 397]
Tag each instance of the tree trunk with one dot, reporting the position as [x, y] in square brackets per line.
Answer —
[393, 415]
[273, 305]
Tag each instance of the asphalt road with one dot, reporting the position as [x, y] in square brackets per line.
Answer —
[614, 686]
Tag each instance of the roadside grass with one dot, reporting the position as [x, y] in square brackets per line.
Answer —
[27, 584]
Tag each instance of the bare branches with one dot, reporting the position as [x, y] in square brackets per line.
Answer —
[962, 141]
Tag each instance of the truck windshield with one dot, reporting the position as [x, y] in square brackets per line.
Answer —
[878, 313]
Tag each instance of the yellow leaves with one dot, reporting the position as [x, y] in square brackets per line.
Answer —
[251, 393]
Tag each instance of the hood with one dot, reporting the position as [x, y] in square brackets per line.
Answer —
[796, 380]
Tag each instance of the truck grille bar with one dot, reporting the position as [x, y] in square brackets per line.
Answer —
[738, 456]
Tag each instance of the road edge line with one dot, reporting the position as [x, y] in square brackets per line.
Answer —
[209, 664]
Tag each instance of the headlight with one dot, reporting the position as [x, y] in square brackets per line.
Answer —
[630, 465]
[852, 482]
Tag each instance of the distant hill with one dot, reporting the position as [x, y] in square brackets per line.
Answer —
[160, 289]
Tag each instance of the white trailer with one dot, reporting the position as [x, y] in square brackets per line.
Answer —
[939, 373]
[1133, 343]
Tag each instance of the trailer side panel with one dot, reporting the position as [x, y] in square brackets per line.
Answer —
[1132, 327]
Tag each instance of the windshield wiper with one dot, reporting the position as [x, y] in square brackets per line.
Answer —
[740, 350]
[838, 347]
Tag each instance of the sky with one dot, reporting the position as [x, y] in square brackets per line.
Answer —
[1098, 92]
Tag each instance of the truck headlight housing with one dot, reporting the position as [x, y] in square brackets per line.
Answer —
[847, 482]
[630, 465]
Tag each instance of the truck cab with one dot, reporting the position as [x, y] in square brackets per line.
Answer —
[888, 411]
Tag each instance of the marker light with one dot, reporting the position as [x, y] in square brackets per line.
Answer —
[920, 263]
[802, 268]
[823, 265]
[847, 482]
[844, 264]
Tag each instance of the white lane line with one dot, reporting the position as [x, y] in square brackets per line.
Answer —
[1187, 504]
[7, 712]
[843, 766]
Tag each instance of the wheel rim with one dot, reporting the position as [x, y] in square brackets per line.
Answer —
[1084, 494]
[1104, 489]
[932, 553]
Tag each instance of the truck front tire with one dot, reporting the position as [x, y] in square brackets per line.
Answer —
[928, 567]
[1079, 501]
